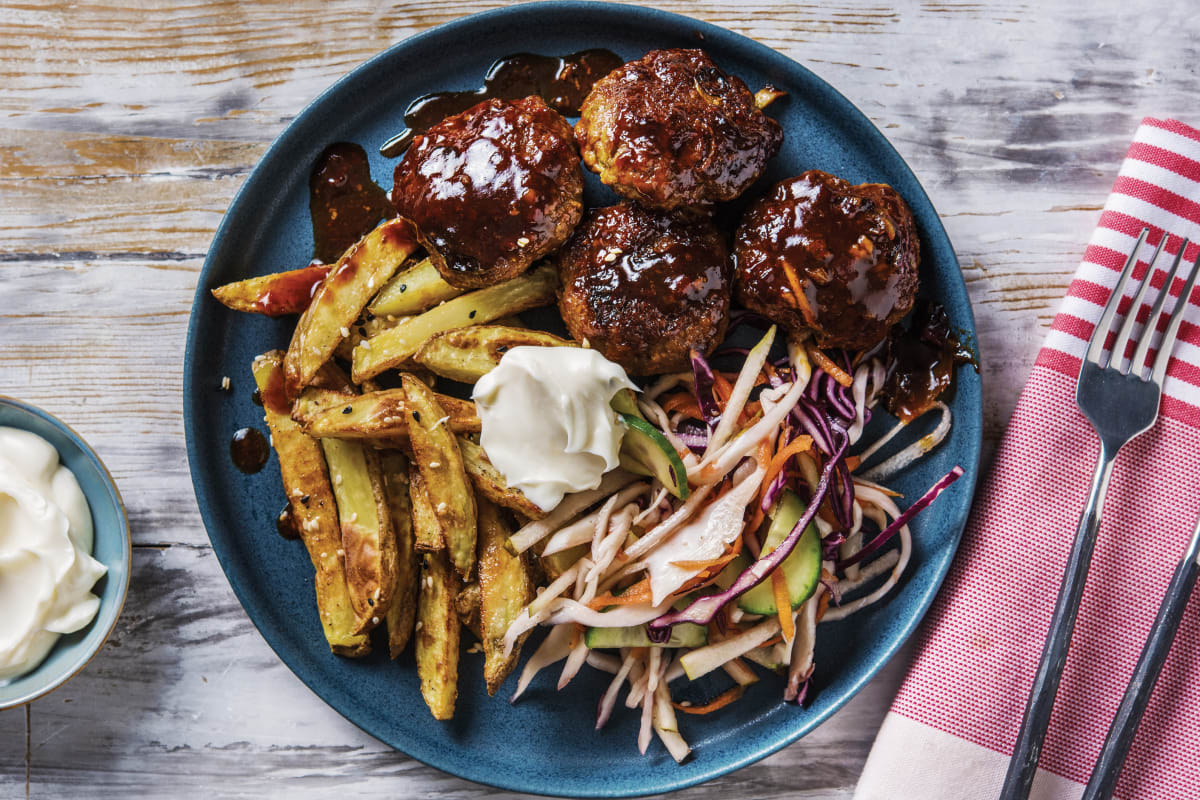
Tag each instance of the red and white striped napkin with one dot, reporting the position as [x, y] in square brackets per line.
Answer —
[954, 723]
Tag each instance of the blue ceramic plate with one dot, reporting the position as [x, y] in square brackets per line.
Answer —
[545, 743]
[110, 547]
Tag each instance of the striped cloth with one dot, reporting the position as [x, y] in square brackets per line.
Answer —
[954, 723]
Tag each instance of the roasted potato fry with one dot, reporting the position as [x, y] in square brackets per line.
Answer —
[367, 537]
[491, 484]
[427, 530]
[364, 327]
[505, 587]
[312, 401]
[403, 611]
[276, 294]
[440, 462]
[310, 495]
[342, 296]
[467, 354]
[383, 414]
[467, 605]
[412, 290]
[394, 347]
[438, 631]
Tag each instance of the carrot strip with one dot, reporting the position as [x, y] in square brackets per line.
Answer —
[798, 445]
[783, 604]
[682, 402]
[637, 593]
[852, 462]
[720, 701]
[826, 363]
[774, 640]
[723, 388]
[764, 457]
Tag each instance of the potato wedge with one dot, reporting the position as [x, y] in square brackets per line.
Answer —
[467, 605]
[505, 587]
[413, 289]
[427, 529]
[276, 294]
[438, 631]
[310, 495]
[364, 327]
[341, 297]
[382, 414]
[312, 401]
[490, 483]
[403, 611]
[467, 354]
[440, 462]
[367, 537]
[394, 347]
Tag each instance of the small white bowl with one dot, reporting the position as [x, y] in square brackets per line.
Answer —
[111, 547]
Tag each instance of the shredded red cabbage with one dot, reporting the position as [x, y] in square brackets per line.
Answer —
[704, 389]
[702, 610]
[887, 533]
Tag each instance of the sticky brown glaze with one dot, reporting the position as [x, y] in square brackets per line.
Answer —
[562, 81]
[645, 287]
[492, 190]
[671, 130]
[343, 201]
[821, 254]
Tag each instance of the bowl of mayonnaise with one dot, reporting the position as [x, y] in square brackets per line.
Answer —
[64, 553]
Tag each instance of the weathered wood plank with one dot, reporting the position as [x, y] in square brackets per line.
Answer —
[124, 133]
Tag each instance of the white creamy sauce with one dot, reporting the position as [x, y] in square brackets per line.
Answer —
[46, 568]
[547, 423]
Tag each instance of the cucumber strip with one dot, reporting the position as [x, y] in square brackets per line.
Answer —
[684, 635]
[645, 451]
[801, 569]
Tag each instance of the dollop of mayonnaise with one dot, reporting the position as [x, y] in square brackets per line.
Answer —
[548, 425]
[46, 568]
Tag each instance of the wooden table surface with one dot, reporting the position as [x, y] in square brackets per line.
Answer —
[124, 133]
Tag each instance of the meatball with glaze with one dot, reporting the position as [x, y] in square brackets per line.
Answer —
[492, 189]
[645, 287]
[818, 253]
[671, 130]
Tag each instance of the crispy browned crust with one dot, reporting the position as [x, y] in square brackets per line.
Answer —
[671, 130]
[645, 287]
[479, 233]
[853, 252]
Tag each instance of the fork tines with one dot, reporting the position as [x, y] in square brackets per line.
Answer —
[1116, 358]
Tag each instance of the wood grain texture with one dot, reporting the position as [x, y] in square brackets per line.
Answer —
[125, 129]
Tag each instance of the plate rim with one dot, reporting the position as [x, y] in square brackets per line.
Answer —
[764, 55]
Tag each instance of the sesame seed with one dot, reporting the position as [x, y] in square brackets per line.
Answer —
[365, 344]
[337, 480]
[344, 331]
[371, 282]
[442, 507]
[348, 409]
[442, 421]
[341, 552]
[523, 242]
[472, 314]
[353, 518]
[418, 626]
[403, 289]
[611, 257]
[374, 620]
[225, 383]
[434, 464]
[429, 581]
[297, 492]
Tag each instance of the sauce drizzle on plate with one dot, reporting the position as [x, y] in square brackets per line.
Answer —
[562, 81]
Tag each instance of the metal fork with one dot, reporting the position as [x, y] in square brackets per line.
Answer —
[1121, 401]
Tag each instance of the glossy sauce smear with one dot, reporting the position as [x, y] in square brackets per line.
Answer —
[562, 81]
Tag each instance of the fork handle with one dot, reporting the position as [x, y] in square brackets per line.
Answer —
[1133, 705]
[1023, 767]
